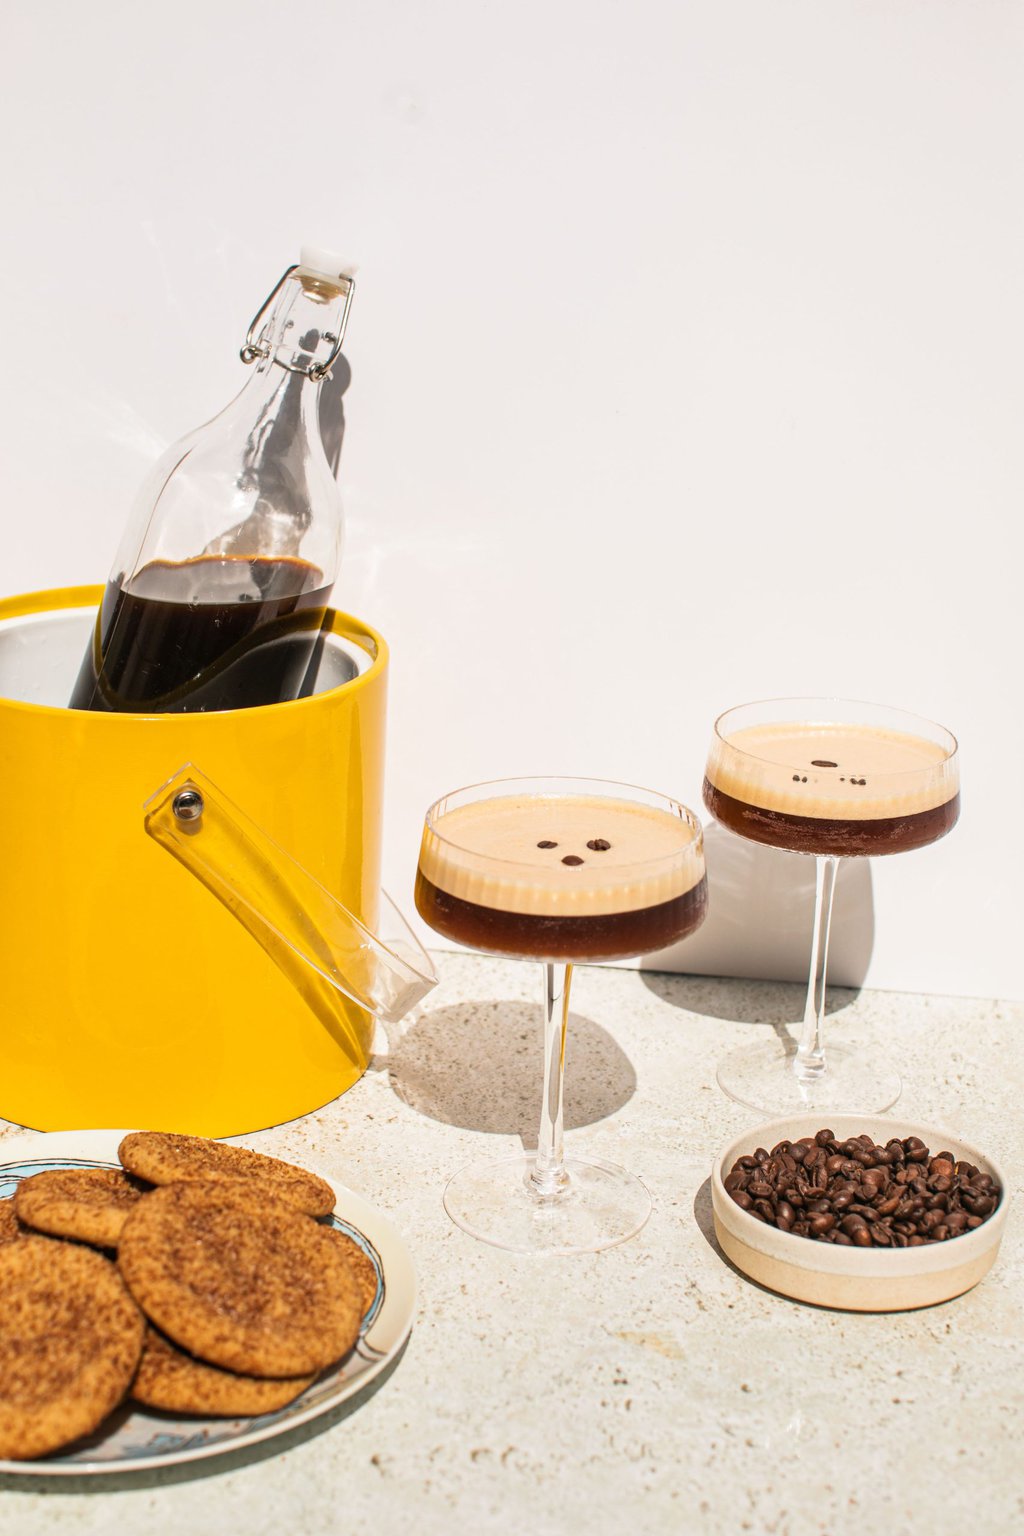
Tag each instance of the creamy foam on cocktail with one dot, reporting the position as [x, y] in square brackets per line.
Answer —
[843, 772]
[551, 855]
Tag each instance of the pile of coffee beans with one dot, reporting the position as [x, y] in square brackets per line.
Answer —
[859, 1194]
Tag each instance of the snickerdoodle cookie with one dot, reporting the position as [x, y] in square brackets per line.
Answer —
[169, 1378]
[164, 1157]
[90, 1204]
[11, 1228]
[241, 1278]
[69, 1344]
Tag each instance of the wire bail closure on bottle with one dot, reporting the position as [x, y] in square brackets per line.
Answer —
[256, 345]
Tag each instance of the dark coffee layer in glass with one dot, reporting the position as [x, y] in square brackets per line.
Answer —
[217, 632]
[597, 936]
[842, 838]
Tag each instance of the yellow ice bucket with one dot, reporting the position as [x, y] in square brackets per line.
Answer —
[231, 985]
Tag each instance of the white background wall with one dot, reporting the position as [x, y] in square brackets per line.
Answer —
[686, 368]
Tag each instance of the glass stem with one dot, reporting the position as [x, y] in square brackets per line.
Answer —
[549, 1176]
[810, 1057]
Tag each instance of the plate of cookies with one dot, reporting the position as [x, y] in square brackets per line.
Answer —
[167, 1297]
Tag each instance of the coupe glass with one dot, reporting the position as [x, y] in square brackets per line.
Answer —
[835, 779]
[561, 871]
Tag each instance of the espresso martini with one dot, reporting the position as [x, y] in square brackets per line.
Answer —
[557, 870]
[832, 788]
[561, 877]
[835, 779]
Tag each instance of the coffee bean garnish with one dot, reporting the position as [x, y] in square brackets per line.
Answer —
[572, 858]
[821, 762]
[798, 780]
[857, 1193]
[547, 843]
[599, 844]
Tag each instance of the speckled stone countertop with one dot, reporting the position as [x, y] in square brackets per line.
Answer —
[651, 1387]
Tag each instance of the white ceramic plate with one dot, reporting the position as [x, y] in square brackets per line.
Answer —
[135, 1438]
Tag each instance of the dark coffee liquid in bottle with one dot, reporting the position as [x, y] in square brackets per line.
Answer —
[219, 591]
[215, 632]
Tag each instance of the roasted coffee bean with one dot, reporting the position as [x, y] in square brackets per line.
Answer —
[858, 1193]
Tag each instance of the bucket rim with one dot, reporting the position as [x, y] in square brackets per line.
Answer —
[54, 599]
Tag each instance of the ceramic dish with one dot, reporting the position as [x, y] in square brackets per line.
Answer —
[854, 1279]
[135, 1438]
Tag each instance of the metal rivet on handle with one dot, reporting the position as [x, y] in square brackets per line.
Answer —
[187, 805]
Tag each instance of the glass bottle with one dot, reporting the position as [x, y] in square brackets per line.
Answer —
[219, 590]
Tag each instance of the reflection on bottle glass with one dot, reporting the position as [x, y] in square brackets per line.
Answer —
[211, 633]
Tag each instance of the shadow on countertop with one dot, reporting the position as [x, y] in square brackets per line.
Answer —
[740, 1000]
[479, 1066]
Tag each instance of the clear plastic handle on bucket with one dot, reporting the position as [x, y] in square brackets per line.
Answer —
[322, 947]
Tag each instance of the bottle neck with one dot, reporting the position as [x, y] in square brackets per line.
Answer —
[281, 399]
[304, 330]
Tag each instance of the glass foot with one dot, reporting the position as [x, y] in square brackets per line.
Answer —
[601, 1205]
[763, 1078]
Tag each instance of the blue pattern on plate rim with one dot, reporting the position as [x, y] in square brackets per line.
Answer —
[145, 1432]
